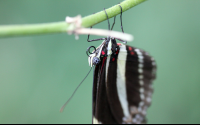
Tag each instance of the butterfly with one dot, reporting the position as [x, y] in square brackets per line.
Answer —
[122, 83]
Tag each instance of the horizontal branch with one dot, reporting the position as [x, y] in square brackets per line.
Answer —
[61, 27]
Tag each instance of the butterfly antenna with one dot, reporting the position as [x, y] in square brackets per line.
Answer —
[62, 108]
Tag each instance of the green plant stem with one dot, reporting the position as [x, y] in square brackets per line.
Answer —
[62, 27]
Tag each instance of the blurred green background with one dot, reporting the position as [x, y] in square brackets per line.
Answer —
[39, 73]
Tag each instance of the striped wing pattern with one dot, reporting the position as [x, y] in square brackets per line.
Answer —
[123, 86]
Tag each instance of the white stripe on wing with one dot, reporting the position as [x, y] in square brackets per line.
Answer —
[121, 80]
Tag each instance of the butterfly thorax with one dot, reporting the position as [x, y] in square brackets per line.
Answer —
[108, 47]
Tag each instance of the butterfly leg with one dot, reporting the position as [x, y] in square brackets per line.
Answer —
[94, 39]
[121, 19]
[108, 29]
[107, 19]
[121, 25]
[113, 23]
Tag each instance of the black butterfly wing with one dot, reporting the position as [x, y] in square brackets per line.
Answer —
[140, 73]
[122, 87]
[101, 108]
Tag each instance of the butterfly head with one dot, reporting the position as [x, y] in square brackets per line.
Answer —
[94, 57]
